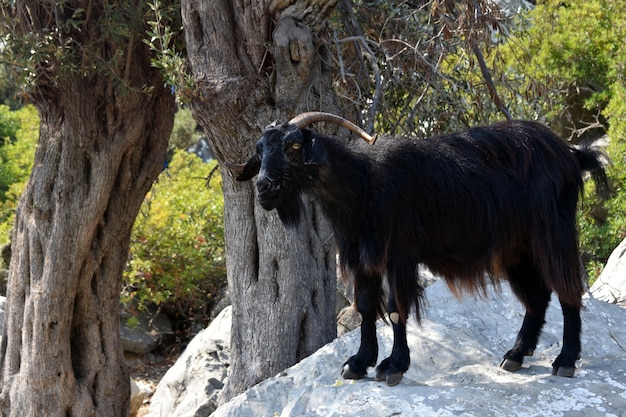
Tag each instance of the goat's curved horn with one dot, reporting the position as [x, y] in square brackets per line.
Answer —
[305, 119]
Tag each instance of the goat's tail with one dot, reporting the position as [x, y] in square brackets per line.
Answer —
[593, 160]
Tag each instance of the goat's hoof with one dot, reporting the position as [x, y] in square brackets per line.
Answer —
[390, 379]
[564, 371]
[510, 365]
[348, 373]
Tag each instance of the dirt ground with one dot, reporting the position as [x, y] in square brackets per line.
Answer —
[150, 373]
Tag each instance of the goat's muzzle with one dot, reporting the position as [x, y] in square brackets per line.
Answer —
[268, 193]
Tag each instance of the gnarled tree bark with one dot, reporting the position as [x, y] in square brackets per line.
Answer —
[100, 149]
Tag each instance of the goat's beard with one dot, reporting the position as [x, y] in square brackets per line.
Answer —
[290, 210]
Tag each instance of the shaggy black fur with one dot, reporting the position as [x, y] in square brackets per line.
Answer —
[492, 202]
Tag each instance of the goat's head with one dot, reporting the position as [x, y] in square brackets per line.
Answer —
[286, 160]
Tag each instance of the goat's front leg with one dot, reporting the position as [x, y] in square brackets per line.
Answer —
[367, 293]
[392, 368]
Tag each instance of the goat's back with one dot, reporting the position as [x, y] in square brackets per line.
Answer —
[475, 202]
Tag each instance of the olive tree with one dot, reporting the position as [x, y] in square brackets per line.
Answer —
[105, 120]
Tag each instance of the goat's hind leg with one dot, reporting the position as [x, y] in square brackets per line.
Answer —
[565, 364]
[568, 284]
[531, 290]
[367, 294]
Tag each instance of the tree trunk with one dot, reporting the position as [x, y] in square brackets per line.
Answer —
[100, 148]
[282, 282]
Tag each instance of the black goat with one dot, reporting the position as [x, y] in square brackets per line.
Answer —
[492, 202]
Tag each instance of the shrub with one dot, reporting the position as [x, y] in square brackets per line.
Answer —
[16, 160]
[9, 124]
[185, 130]
[571, 56]
[177, 244]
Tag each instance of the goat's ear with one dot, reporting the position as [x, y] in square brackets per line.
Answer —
[313, 150]
[245, 172]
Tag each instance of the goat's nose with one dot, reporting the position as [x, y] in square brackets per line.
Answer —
[263, 185]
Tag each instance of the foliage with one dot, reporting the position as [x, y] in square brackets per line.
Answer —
[603, 223]
[16, 159]
[9, 92]
[44, 41]
[177, 244]
[185, 131]
[9, 124]
[563, 55]
[407, 67]
[166, 41]
[576, 49]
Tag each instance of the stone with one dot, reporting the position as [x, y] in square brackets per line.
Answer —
[192, 385]
[138, 394]
[611, 284]
[221, 300]
[153, 328]
[455, 354]
[348, 319]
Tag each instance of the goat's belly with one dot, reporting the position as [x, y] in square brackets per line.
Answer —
[467, 264]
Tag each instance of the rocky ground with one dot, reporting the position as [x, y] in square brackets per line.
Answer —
[149, 374]
[455, 356]
[454, 369]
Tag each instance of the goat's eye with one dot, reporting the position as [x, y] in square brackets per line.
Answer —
[259, 148]
[296, 145]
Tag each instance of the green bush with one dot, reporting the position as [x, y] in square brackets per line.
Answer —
[9, 124]
[564, 49]
[177, 245]
[185, 131]
[571, 55]
[16, 160]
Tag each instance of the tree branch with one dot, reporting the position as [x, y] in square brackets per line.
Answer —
[493, 93]
[367, 52]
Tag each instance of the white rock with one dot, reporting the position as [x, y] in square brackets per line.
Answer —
[611, 285]
[454, 368]
[138, 393]
[192, 385]
[348, 319]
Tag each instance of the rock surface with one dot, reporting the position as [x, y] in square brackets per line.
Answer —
[611, 285]
[138, 393]
[191, 387]
[150, 331]
[454, 368]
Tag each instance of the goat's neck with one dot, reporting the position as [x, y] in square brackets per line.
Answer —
[343, 189]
